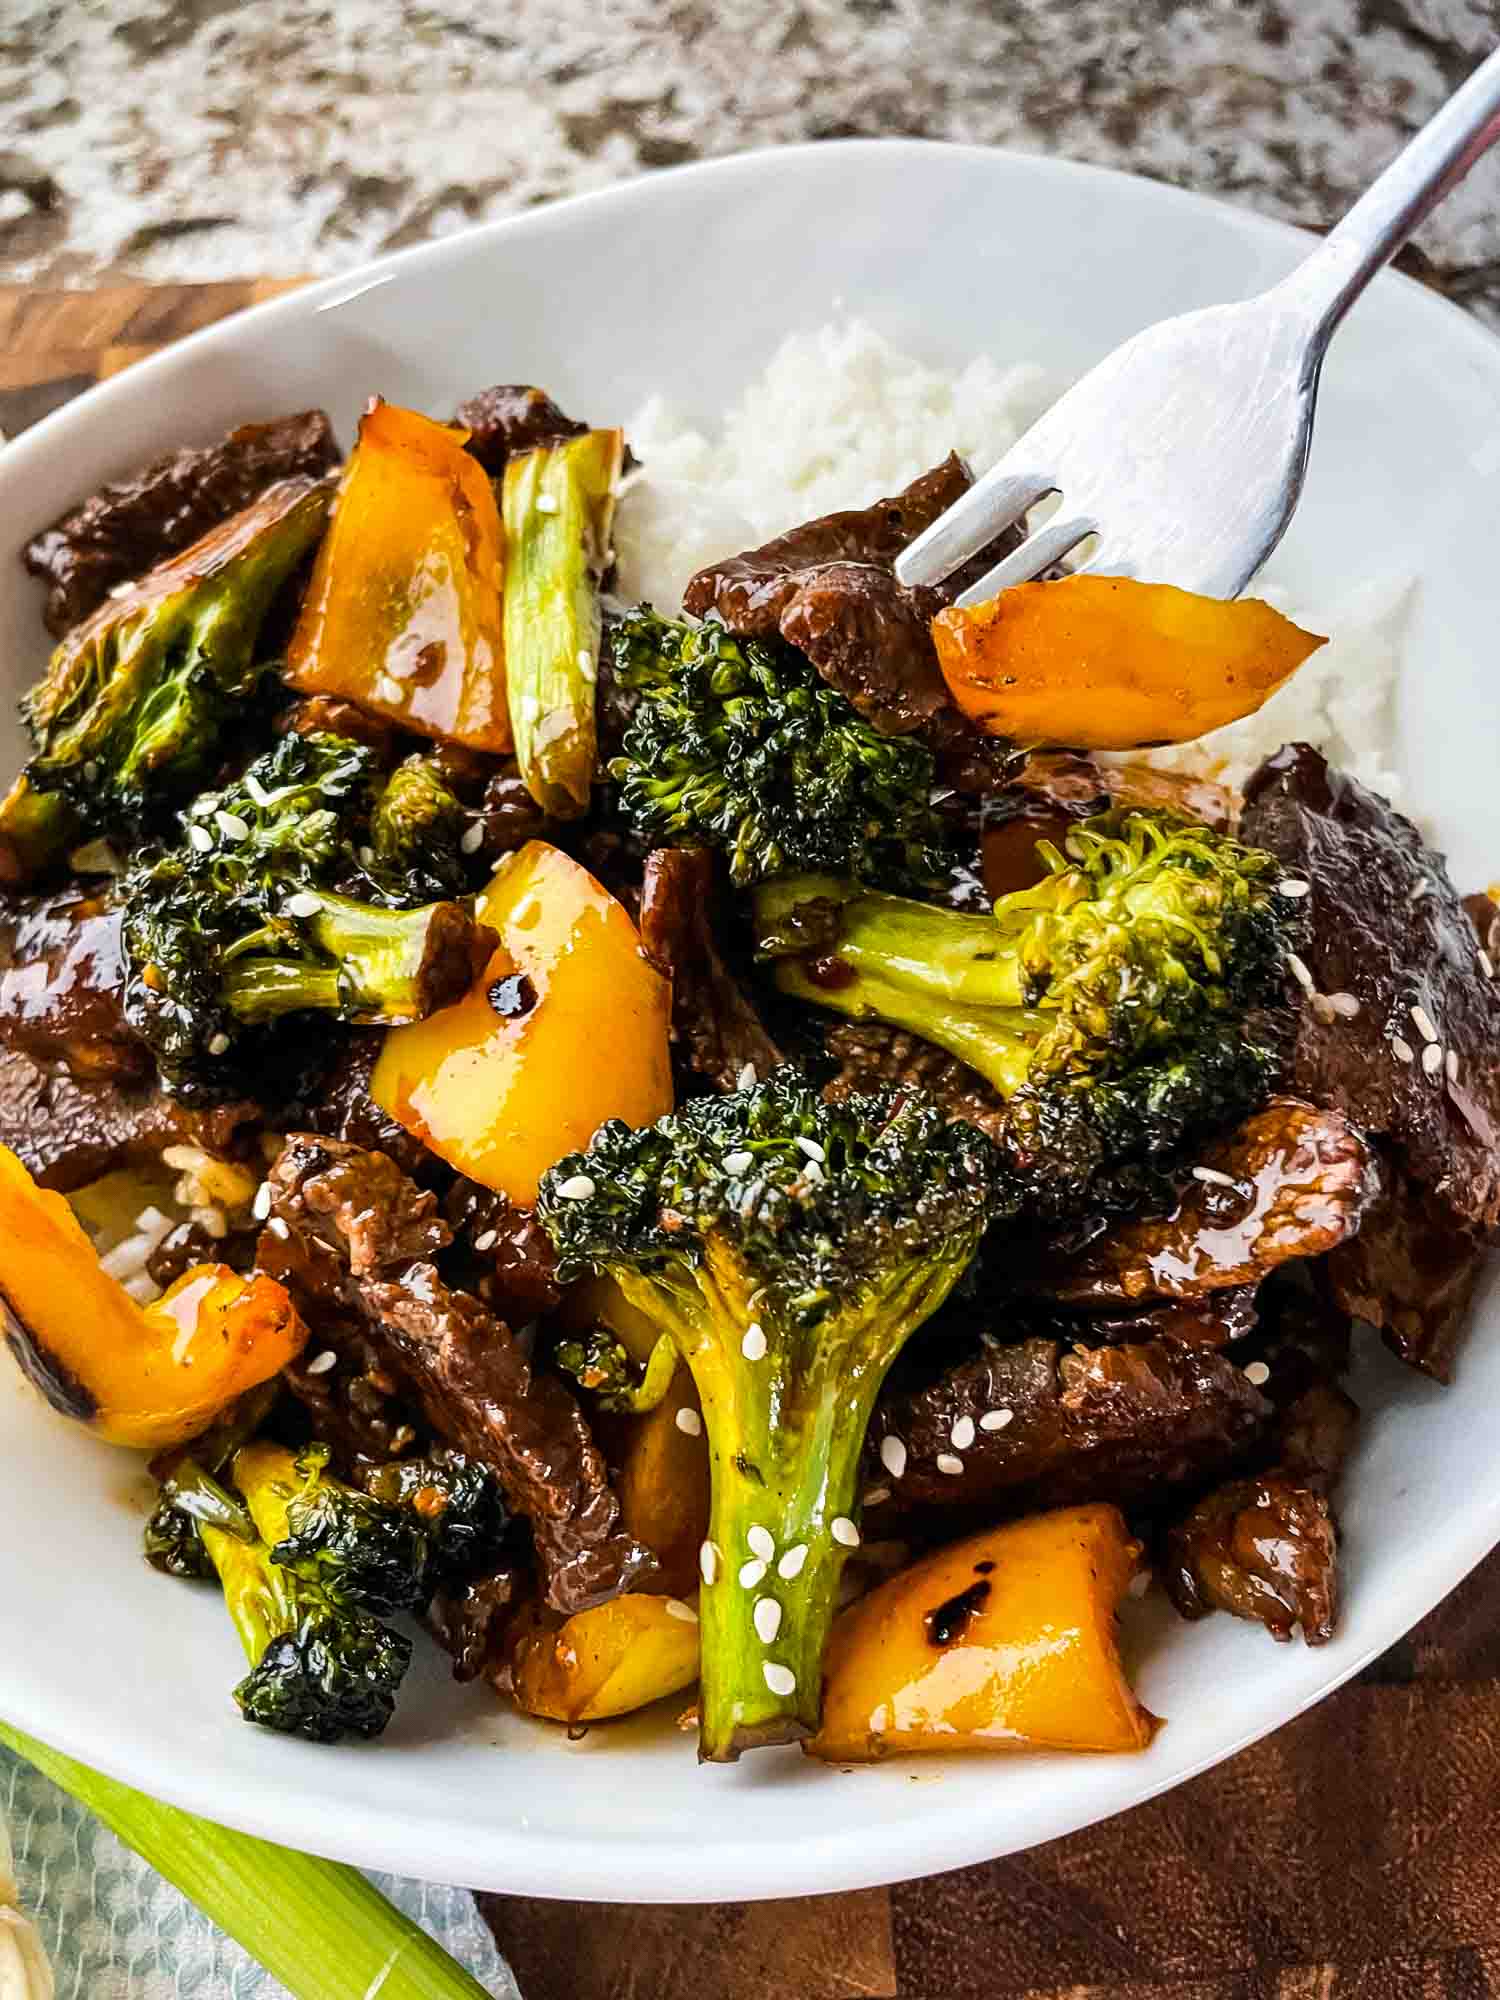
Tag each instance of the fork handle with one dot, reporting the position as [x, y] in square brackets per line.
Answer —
[1331, 278]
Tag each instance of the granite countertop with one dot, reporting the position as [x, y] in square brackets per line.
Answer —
[200, 139]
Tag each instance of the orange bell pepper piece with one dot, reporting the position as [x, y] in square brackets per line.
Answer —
[1105, 663]
[567, 1026]
[402, 616]
[147, 1376]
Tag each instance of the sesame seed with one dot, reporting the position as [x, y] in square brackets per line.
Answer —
[201, 838]
[996, 1420]
[767, 1619]
[844, 1531]
[791, 1563]
[260, 1208]
[738, 1163]
[689, 1422]
[893, 1456]
[812, 1172]
[256, 789]
[1294, 887]
[946, 1462]
[585, 661]
[545, 504]
[387, 689]
[487, 1240]
[1402, 1050]
[1432, 1058]
[812, 1149]
[1299, 972]
[760, 1542]
[1345, 1004]
[1486, 963]
[1418, 890]
[1423, 1021]
[683, 1613]
[472, 838]
[304, 904]
[708, 1562]
[366, 856]
[1322, 1009]
[1258, 1374]
[747, 1078]
[91, 772]
[321, 1363]
[962, 1433]
[577, 1187]
[753, 1346]
[752, 1573]
[231, 825]
[779, 1679]
[1451, 1065]
[219, 1044]
[874, 1495]
[278, 1228]
[1211, 1177]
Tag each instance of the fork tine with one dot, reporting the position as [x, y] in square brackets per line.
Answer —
[1038, 552]
[991, 505]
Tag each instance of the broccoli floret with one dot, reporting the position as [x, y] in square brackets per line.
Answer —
[601, 1365]
[740, 744]
[189, 1500]
[244, 921]
[136, 701]
[320, 1665]
[356, 1548]
[1114, 1005]
[458, 1505]
[788, 1249]
[416, 830]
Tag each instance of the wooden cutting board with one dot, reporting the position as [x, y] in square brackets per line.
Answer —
[1355, 1855]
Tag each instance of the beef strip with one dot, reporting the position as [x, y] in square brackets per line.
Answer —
[509, 816]
[1071, 782]
[62, 978]
[1410, 1272]
[68, 1130]
[190, 1244]
[828, 587]
[1120, 1423]
[469, 1619]
[1213, 1319]
[511, 417]
[1387, 927]
[1293, 1181]
[127, 527]
[506, 1256]
[329, 715]
[1264, 1546]
[714, 1022]
[368, 1232]
[871, 1056]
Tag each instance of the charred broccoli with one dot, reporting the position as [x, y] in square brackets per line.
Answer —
[1118, 1006]
[275, 904]
[788, 1249]
[416, 830]
[458, 1505]
[741, 745]
[189, 1500]
[134, 704]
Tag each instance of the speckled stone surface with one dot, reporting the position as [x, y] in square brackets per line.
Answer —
[188, 139]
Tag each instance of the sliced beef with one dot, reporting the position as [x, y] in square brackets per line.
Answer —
[356, 1405]
[828, 587]
[1069, 781]
[362, 1226]
[1386, 927]
[714, 1023]
[190, 1244]
[329, 715]
[870, 1056]
[506, 1256]
[1293, 1181]
[62, 980]
[1411, 1273]
[469, 1620]
[1213, 1319]
[124, 529]
[509, 418]
[1044, 1425]
[341, 1107]
[508, 816]
[68, 1130]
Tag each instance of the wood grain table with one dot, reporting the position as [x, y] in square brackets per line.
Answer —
[1355, 1855]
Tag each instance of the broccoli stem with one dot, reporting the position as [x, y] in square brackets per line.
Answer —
[785, 1430]
[256, 1594]
[388, 966]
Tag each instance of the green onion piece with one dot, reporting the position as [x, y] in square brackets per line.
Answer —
[317, 1926]
[557, 503]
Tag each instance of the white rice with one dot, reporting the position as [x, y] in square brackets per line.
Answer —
[840, 416]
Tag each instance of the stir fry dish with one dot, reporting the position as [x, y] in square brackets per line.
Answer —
[760, 1155]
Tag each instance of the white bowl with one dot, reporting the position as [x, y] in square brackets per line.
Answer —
[688, 280]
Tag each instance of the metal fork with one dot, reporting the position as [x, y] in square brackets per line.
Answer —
[1185, 449]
